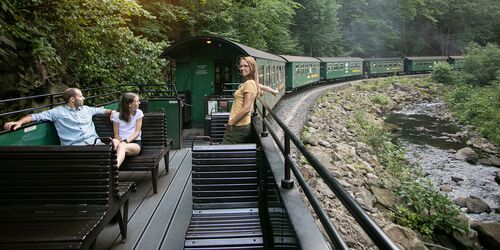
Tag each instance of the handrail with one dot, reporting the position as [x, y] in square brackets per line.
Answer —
[94, 97]
[369, 226]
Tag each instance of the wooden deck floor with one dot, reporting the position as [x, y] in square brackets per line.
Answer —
[156, 221]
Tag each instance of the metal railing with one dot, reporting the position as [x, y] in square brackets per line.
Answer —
[96, 96]
[376, 234]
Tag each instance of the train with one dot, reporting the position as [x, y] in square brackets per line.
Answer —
[205, 67]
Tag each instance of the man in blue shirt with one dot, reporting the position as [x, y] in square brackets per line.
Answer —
[73, 121]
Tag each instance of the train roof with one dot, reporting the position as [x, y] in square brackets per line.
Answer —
[197, 41]
[457, 57]
[383, 59]
[289, 58]
[426, 57]
[340, 59]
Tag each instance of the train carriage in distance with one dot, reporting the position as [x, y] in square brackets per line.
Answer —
[383, 66]
[206, 69]
[301, 71]
[457, 62]
[422, 64]
[332, 68]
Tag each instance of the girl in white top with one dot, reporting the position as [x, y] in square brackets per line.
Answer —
[127, 126]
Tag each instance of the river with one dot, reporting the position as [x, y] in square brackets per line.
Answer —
[431, 139]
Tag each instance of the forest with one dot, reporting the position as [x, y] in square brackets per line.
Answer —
[49, 44]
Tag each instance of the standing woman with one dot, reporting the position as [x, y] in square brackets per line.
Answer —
[238, 128]
[127, 126]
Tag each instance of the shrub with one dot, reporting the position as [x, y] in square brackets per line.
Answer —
[477, 106]
[381, 99]
[443, 73]
[481, 63]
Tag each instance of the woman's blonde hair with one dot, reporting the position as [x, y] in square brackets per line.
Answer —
[254, 71]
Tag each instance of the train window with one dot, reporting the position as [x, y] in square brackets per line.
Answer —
[335, 66]
[227, 78]
[273, 74]
[261, 73]
[268, 75]
[280, 69]
[296, 69]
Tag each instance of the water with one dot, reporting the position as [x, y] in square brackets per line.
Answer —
[432, 140]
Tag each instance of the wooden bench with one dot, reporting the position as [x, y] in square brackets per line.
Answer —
[155, 144]
[225, 198]
[59, 197]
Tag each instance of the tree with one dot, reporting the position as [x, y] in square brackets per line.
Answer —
[266, 25]
[77, 43]
[369, 27]
[316, 27]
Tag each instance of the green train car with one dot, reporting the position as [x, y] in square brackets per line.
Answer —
[301, 71]
[383, 66]
[332, 68]
[457, 62]
[206, 67]
[422, 64]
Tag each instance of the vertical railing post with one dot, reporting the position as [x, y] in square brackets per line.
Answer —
[286, 182]
[264, 128]
[52, 101]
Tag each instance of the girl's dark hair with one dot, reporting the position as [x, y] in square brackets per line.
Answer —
[127, 99]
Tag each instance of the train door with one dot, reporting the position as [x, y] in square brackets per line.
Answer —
[202, 84]
[222, 75]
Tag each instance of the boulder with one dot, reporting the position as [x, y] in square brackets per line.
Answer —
[495, 161]
[404, 237]
[460, 201]
[467, 154]
[344, 151]
[476, 205]
[447, 188]
[384, 196]
[489, 234]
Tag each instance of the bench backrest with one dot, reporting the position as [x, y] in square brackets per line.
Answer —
[154, 127]
[218, 126]
[50, 176]
[225, 176]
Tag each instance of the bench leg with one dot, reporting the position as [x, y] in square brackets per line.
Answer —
[154, 176]
[166, 158]
[123, 221]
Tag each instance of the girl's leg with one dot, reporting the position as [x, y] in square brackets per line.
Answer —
[120, 153]
[132, 149]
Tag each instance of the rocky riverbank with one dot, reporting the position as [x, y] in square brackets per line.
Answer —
[331, 135]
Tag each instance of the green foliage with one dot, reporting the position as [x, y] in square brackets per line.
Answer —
[426, 209]
[477, 106]
[481, 63]
[381, 99]
[305, 134]
[266, 25]
[80, 43]
[316, 27]
[443, 72]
